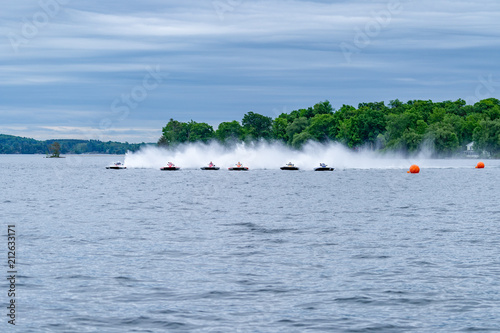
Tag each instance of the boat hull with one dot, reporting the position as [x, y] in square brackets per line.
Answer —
[324, 169]
[209, 168]
[169, 168]
[238, 169]
[289, 168]
[115, 167]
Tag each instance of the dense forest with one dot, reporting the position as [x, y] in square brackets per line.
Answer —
[17, 145]
[444, 127]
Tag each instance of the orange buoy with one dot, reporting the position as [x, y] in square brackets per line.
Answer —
[414, 169]
[480, 165]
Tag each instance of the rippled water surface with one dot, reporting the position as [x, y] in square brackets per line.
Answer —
[141, 250]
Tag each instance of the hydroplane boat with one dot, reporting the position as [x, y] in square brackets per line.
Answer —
[116, 166]
[323, 167]
[289, 166]
[238, 167]
[170, 167]
[210, 166]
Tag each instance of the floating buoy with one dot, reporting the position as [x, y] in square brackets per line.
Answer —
[414, 169]
[480, 165]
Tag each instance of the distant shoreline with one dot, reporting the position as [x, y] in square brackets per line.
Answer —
[64, 155]
[11, 145]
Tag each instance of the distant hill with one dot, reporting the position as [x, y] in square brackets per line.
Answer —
[10, 144]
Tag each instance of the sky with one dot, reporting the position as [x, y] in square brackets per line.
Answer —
[115, 70]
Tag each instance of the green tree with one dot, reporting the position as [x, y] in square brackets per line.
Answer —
[421, 108]
[229, 131]
[371, 122]
[410, 140]
[175, 132]
[257, 126]
[422, 126]
[396, 106]
[345, 112]
[487, 136]
[397, 124]
[279, 129]
[457, 123]
[162, 141]
[401, 126]
[296, 127]
[200, 132]
[456, 108]
[300, 138]
[443, 137]
[489, 107]
[323, 127]
[437, 115]
[306, 113]
[348, 133]
[55, 149]
[322, 108]
[472, 121]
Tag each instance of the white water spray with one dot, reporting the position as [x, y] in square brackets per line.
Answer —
[263, 156]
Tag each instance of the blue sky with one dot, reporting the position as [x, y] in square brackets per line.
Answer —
[119, 71]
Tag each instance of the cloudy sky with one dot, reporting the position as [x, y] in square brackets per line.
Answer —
[115, 70]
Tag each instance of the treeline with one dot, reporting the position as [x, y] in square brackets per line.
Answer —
[10, 144]
[445, 127]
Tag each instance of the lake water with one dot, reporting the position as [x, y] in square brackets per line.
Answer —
[354, 250]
